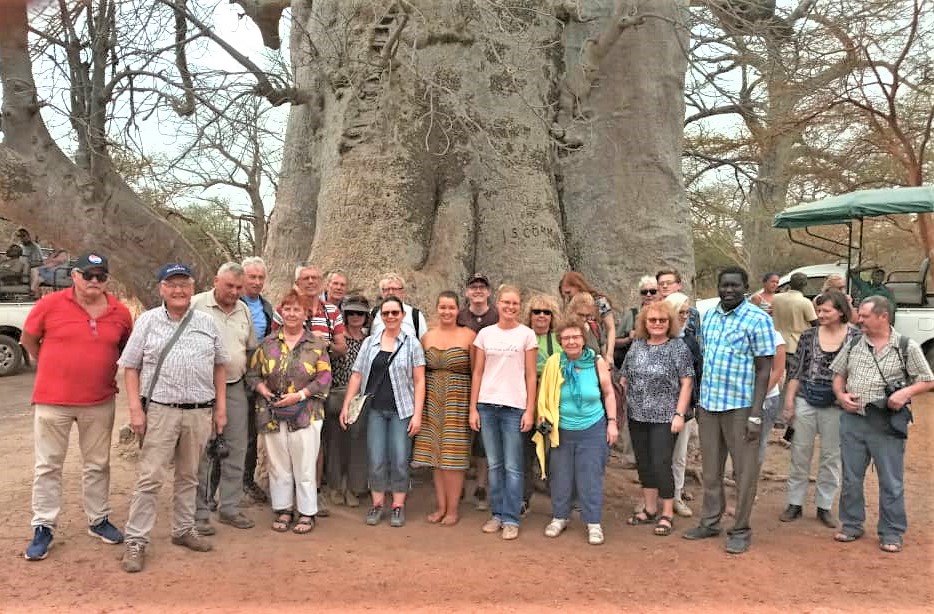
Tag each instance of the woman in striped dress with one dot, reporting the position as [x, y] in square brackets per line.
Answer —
[444, 441]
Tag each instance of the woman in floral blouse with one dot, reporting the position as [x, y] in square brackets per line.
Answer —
[291, 371]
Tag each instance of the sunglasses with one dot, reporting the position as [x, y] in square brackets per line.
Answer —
[657, 320]
[393, 312]
[355, 313]
[88, 276]
[541, 312]
[648, 292]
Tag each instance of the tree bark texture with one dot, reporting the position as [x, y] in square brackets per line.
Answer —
[431, 149]
[43, 189]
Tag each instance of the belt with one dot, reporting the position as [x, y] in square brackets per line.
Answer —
[205, 405]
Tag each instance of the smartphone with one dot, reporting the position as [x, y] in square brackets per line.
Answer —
[789, 434]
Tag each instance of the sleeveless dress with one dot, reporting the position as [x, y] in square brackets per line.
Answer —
[444, 439]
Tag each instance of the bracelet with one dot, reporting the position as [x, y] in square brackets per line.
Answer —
[679, 416]
[608, 419]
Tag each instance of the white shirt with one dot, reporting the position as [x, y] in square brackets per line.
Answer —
[408, 324]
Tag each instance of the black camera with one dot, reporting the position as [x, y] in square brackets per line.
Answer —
[545, 427]
[894, 386]
[218, 449]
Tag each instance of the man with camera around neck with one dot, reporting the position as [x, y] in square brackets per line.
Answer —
[875, 378]
[235, 325]
[175, 383]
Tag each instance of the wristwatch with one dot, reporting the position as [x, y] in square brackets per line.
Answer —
[755, 419]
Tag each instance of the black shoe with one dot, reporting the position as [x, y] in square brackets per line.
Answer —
[792, 512]
[826, 516]
[700, 532]
[737, 545]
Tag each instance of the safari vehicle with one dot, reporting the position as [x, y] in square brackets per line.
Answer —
[915, 315]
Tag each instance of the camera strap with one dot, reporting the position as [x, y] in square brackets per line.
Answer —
[165, 352]
[902, 351]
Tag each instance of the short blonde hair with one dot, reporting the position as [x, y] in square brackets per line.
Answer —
[830, 280]
[507, 289]
[581, 299]
[542, 301]
[388, 277]
[661, 308]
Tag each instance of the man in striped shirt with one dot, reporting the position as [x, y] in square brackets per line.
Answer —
[739, 344]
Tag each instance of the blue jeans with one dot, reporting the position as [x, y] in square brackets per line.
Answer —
[500, 427]
[862, 438]
[388, 444]
[578, 463]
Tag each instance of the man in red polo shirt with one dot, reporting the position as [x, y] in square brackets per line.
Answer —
[75, 336]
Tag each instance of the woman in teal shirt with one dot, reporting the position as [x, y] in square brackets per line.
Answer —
[576, 397]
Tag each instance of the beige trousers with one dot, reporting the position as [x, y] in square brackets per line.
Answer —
[293, 459]
[52, 428]
[172, 435]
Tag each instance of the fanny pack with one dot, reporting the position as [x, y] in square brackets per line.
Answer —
[817, 395]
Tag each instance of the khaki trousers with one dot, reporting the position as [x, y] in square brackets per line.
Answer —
[52, 428]
[172, 435]
[723, 433]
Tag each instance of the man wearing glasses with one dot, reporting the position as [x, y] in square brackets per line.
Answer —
[477, 314]
[414, 322]
[75, 336]
[669, 282]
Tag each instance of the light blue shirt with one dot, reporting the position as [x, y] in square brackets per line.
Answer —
[410, 356]
[256, 313]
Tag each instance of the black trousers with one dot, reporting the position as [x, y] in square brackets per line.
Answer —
[654, 445]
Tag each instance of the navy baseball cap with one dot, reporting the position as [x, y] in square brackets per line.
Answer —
[90, 261]
[172, 269]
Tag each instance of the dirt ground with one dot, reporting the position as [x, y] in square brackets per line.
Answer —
[346, 566]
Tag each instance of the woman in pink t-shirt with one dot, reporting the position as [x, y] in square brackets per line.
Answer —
[502, 406]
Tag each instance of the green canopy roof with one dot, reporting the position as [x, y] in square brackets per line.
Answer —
[858, 205]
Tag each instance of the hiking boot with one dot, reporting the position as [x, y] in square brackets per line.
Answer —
[556, 527]
[700, 532]
[238, 521]
[397, 519]
[323, 510]
[375, 515]
[792, 512]
[204, 527]
[107, 533]
[192, 540]
[482, 503]
[827, 517]
[510, 531]
[38, 548]
[133, 557]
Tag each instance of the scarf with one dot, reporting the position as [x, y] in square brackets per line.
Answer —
[571, 368]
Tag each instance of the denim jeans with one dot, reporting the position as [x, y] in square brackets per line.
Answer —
[862, 438]
[578, 463]
[500, 427]
[388, 445]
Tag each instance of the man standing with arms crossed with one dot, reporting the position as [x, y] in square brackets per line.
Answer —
[233, 321]
[75, 336]
[739, 344]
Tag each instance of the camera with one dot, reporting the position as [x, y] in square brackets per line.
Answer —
[544, 427]
[218, 449]
[894, 386]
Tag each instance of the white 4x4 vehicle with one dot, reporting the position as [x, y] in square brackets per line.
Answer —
[914, 316]
[12, 354]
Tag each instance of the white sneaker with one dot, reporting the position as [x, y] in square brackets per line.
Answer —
[556, 527]
[594, 534]
[682, 509]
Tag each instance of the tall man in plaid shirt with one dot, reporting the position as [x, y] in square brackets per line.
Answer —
[739, 344]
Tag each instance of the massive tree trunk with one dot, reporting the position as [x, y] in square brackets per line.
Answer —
[438, 146]
[77, 208]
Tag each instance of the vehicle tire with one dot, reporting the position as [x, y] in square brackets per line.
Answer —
[11, 356]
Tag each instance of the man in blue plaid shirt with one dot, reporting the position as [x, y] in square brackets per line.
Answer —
[739, 344]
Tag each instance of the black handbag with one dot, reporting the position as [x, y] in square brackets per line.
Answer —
[817, 395]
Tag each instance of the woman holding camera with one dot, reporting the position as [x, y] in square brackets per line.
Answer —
[391, 369]
[292, 372]
[577, 411]
[811, 407]
[657, 375]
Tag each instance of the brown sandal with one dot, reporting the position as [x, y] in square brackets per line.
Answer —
[304, 525]
[282, 522]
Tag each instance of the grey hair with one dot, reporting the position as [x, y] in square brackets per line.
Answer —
[301, 267]
[880, 305]
[391, 277]
[332, 274]
[230, 267]
[253, 261]
[647, 280]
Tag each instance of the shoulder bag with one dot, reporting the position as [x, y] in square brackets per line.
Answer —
[360, 402]
[165, 352]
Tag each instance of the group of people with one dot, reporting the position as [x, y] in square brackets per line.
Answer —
[329, 388]
[24, 268]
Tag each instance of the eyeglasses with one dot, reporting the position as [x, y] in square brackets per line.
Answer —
[355, 313]
[392, 289]
[478, 287]
[564, 338]
[88, 276]
[657, 320]
[648, 291]
[540, 312]
[391, 312]
[178, 285]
